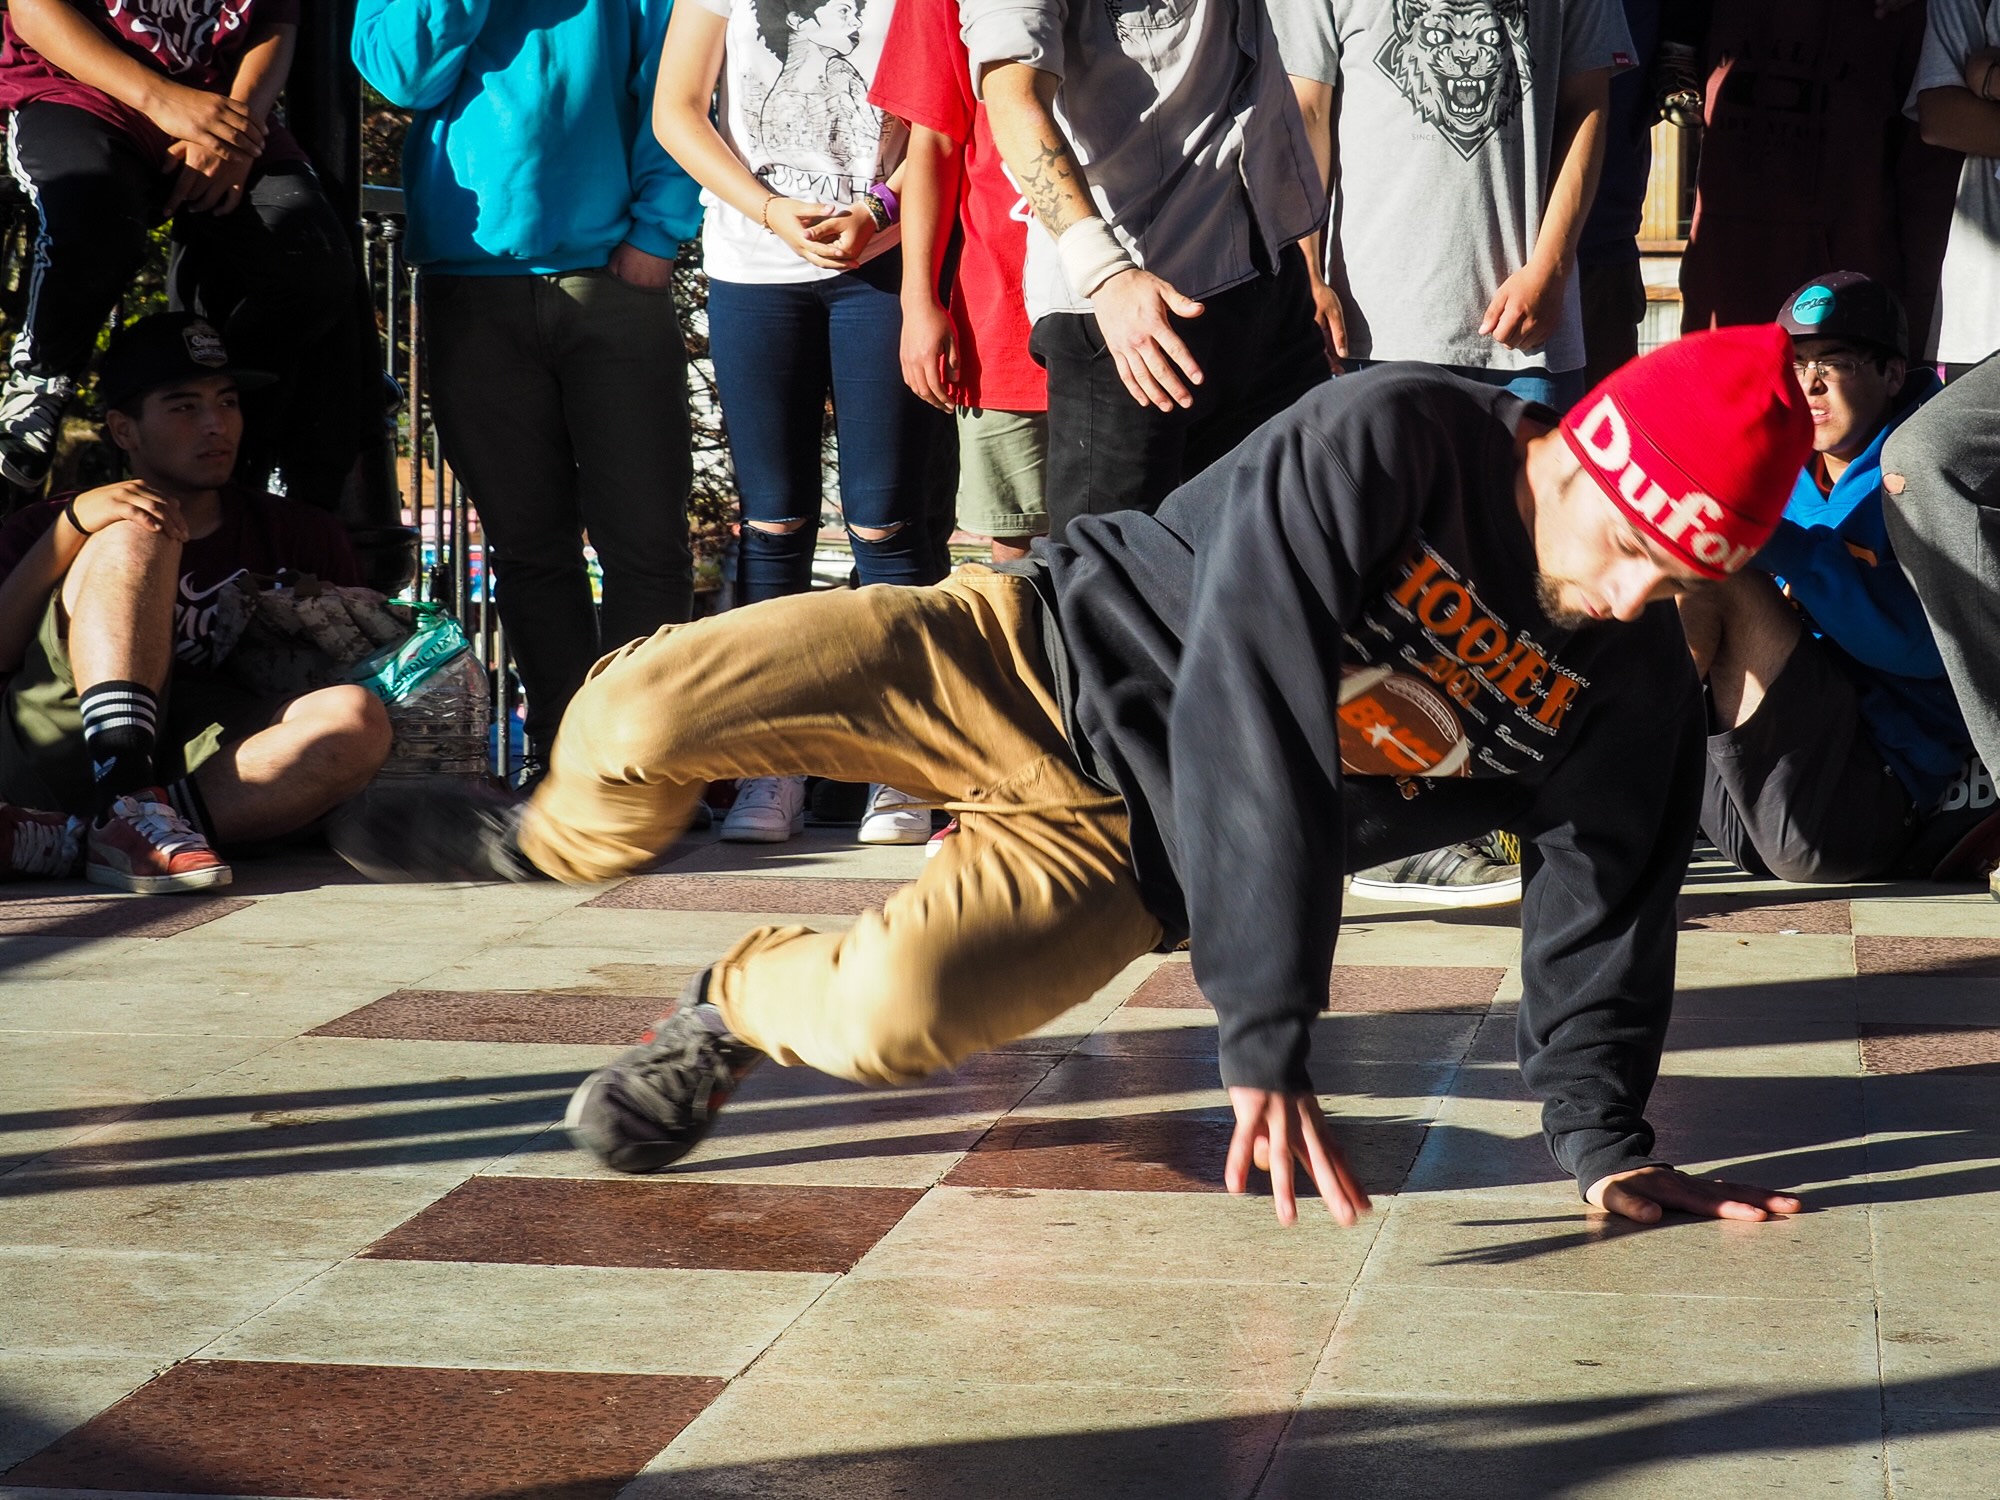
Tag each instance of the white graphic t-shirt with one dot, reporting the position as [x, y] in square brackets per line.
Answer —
[795, 110]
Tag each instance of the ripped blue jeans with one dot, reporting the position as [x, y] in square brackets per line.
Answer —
[780, 350]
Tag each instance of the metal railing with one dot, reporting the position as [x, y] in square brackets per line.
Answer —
[452, 566]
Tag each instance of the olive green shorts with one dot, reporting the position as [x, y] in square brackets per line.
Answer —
[1002, 459]
[43, 762]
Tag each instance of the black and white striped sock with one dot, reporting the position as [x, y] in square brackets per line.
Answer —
[119, 725]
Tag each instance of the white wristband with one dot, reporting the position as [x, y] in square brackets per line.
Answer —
[1091, 255]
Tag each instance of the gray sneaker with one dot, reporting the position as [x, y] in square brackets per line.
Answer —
[1456, 875]
[31, 412]
[654, 1104]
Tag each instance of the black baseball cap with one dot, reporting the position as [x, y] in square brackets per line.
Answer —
[162, 349]
[1847, 305]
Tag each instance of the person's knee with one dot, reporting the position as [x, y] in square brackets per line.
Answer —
[897, 1014]
[350, 722]
[120, 550]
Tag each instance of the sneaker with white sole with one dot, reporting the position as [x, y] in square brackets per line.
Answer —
[31, 412]
[1456, 875]
[895, 818]
[36, 845]
[767, 810]
[145, 845]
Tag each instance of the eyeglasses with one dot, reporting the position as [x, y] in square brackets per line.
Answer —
[1834, 367]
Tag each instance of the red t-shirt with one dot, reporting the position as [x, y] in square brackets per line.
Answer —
[925, 77]
[193, 42]
[263, 535]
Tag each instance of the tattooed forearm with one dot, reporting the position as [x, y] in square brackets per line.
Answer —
[1020, 103]
[1054, 187]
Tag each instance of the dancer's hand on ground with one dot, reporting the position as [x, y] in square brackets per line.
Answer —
[640, 268]
[1645, 1193]
[929, 354]
[208, 181]
[1275, 1130]
[130, 500]
[1524, 311]
[1132, 315]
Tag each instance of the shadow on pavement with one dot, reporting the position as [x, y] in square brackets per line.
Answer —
[1377, 1447]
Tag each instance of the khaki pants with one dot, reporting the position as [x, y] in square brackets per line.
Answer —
[941, 692]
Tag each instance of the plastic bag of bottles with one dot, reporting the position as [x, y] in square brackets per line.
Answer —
[439, 698]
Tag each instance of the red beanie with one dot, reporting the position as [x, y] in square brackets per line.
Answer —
[1700, 442]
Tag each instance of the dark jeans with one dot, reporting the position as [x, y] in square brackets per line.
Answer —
[1259, 351]
[562, 404]
[1614, 305]
[276, 274]
[780, 350]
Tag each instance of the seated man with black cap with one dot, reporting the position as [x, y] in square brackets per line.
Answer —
[112, 713]
[1834, 738]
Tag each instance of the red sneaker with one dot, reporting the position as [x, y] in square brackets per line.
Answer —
[148, 847]
[38, 845]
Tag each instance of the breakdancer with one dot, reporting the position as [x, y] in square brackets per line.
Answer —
[1406, 611]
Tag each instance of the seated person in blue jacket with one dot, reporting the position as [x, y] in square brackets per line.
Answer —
[1834, 739]
[118, 732]
[1409, 609]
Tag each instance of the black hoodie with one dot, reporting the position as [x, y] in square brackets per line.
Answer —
[1334, 635]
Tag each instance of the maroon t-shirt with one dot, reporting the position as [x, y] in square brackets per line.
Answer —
[194, 42]
[260, 534]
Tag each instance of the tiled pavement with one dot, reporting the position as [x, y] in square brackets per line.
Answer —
[283, 1214]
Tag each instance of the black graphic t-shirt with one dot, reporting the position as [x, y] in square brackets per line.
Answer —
[261, 535]
[1331, 631]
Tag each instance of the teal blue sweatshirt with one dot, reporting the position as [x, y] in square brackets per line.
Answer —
[532, 149]
[1832, 553]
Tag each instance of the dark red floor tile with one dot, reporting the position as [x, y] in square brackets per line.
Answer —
[1889, 1048]
[1931, 957]
[1356, 988]
[86, 916]
[553, 1221]
[373, 1432]
[1164, 1153]
[1121, 1153]
[748, 893]
[1756, 911]
[501, 1016]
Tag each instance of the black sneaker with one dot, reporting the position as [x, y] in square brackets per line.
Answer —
[432, 828]
[654, 1104]
[31, 412]
[1456, 875]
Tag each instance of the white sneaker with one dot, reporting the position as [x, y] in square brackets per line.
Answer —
[768, 810]
[895, 817]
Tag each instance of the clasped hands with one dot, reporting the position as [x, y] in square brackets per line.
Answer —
[1281, 1133]
[216, 141]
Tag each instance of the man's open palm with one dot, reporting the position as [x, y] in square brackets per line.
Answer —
[1644, 1194]
[1279, 1130]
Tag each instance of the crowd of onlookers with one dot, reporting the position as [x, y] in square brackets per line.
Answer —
[1043, 261]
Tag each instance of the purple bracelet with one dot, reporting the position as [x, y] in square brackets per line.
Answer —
[885, 195]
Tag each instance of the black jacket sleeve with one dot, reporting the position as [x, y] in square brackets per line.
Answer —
[1606, 851]
[1253, 738]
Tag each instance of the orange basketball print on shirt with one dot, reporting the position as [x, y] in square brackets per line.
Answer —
[1392, 724]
